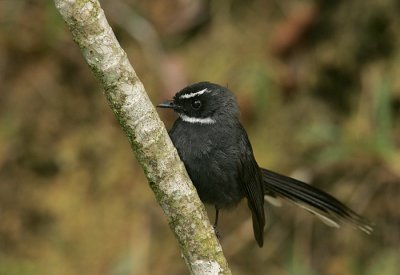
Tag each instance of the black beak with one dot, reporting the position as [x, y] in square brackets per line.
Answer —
[167, 104]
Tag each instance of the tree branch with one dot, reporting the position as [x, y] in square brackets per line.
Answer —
[147, 135]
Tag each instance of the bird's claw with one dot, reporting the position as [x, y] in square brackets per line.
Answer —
[217, 232]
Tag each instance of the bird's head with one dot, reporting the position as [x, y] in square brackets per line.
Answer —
[203, 103]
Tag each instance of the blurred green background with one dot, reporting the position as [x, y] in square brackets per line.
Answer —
[318, 83]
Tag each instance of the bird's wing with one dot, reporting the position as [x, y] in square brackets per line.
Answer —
[251, 179]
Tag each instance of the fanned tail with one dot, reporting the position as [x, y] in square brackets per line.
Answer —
[324, 206]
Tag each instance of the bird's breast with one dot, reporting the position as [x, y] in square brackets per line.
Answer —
[211, 161]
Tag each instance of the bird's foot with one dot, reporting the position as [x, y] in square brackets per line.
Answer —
[217, 232]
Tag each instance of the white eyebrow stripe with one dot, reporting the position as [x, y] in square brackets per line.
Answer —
[206, 120]
[194, 94]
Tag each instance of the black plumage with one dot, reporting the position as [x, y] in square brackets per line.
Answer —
[219, 159]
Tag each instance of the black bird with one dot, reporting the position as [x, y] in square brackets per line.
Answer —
[218, 157]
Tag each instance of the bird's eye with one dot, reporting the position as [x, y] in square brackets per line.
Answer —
[196, 104]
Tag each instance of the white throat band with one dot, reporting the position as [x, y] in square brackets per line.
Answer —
[198, 120]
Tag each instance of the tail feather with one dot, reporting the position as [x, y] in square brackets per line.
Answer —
[326, 207]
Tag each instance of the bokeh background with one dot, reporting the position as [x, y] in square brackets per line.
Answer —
[318, 83]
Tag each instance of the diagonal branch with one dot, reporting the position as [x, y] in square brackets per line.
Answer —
[147, 135]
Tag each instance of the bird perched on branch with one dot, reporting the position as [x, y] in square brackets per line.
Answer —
[218, 157]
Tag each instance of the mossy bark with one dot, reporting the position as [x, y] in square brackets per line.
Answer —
[147, 135]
